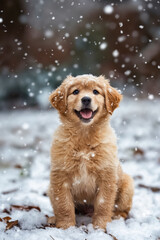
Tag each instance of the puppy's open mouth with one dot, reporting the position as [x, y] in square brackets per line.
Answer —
[86, 114]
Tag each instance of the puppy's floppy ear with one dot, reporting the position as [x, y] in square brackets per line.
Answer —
[113, 98]
[58, 98]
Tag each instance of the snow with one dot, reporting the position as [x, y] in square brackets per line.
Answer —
[120, 24]
[85, 39]
[1, 20]
[132, 229]
[108, 9]
[48, 33]
[115, 53]
[150, 96]
[67, 35]
[25, 142]
[103, 46]
[121, 38]
[141, 26]
[127, 72]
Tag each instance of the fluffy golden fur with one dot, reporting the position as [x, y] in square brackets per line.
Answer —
[84, 165]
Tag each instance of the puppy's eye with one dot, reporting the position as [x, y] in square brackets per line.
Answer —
[75, 92]
[95, 92]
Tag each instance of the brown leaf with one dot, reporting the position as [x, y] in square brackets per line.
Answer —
[113, 236]
[47, 226]
[153, 189]
[26, 208]
[138, 151]
[138, 177]
[10, 191]
[11, 224]
[52, 237]
[6, 219]
[18, 166]
[6, 211]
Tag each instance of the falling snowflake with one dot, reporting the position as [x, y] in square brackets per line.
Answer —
[115, 53]
[67, 35]
[48, 33]
[141, 26]
[150, 96]
[25, 126]
[108, 9]
[127, 73]
[85, 39]
[121, 38]
[103, 46]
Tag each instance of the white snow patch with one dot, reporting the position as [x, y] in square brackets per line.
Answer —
[29, 220]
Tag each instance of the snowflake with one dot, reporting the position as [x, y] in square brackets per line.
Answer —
[103, 46]
[115, 53]
[108, 9]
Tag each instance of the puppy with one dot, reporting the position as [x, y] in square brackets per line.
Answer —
[84, 165]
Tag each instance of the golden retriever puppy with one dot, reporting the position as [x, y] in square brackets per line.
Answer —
[84, 165]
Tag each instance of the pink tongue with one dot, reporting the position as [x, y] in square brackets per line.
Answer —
[86, 113]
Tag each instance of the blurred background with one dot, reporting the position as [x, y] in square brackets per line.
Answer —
[42, 41]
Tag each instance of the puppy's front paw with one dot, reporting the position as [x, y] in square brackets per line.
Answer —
[119, 214]
[64, 224]
[100, 222]
[51, 220]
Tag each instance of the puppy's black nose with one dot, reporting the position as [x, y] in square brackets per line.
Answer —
[86, 101]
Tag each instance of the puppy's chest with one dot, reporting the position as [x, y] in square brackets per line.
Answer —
[83, 179]
[83, 156]
[84, 162]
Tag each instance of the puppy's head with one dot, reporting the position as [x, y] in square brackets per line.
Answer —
[85, 99]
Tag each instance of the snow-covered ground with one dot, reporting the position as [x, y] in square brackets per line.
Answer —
[25, 141]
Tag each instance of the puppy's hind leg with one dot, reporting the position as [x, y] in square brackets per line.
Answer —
[125, 193]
